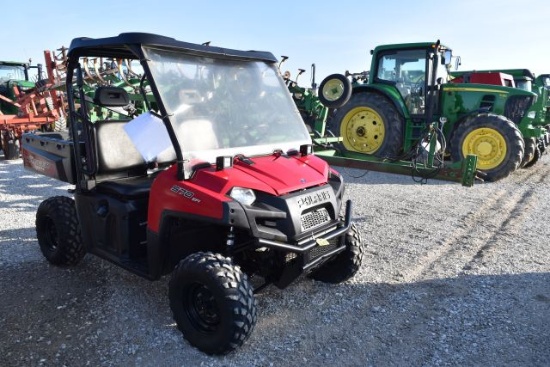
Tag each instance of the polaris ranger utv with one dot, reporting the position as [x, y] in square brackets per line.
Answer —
[198, 165]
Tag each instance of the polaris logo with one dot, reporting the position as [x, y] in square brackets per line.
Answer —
[313, 199]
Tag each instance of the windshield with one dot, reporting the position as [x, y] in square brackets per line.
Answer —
[226, 107]
[11, 72]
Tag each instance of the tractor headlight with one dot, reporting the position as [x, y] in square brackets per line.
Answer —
[532, 114]
[243, 195]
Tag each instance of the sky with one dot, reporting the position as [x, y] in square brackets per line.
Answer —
[334, 35]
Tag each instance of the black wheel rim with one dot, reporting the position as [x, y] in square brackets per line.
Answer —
[201, 307]
[52, 237]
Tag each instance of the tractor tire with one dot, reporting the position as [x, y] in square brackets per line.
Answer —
[10, 146]
[495, 140]
[529, 153]
[370, 124]
[58, 231]
[212, 302]
[345, 264]
[536, 157]
[335, 91]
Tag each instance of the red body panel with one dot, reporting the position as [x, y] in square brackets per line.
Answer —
[204, 194]
[486, 78]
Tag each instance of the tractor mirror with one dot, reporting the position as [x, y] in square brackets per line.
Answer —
[447, 57]
[111, 97]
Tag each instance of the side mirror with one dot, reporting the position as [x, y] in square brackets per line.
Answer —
[447, 57]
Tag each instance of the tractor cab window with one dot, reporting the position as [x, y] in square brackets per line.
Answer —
[11, 72]
[406, 70]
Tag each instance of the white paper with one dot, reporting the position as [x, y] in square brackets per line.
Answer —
[149, 135]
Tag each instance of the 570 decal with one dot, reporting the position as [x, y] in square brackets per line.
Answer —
[185, 193]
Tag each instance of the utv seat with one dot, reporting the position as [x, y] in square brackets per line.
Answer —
[121, 170]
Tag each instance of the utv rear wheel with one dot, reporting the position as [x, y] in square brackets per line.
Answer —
[335, 91]
[370, 124]
[58, 231]
[345, 264]
[494, 139]
[212, 302]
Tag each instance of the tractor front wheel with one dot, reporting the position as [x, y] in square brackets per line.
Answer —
[345, 264]
[58, 231]
[494, 139]
[335, 91]
[370, 124]
[212, 302]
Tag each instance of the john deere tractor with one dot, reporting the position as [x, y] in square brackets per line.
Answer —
[407, 100]
[534, 130]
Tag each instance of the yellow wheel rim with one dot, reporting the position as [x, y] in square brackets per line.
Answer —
[488, 144]
[363, 130]
[333, 89]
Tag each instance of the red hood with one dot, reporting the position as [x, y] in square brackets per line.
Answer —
[271, 174]
[286, 174]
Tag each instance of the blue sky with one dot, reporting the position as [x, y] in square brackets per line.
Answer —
[335, 35]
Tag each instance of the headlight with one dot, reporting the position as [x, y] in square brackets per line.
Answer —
[243, 195]
[532, 114]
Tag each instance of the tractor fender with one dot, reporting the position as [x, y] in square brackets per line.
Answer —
[387, 91]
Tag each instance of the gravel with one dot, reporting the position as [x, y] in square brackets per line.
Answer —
[451, 276]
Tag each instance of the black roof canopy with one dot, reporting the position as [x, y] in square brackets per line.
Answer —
[127, 45]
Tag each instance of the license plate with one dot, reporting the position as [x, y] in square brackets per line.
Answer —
[322, 242]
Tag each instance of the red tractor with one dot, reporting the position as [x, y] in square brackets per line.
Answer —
[215, 182]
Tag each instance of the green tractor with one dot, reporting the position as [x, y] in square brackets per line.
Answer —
[314, 108]
[534, 129]
[407, 100]
[317, 105]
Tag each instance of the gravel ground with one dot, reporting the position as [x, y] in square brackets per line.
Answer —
[452, 276]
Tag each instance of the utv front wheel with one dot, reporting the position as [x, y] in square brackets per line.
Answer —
[345, 264]
[212, 302]
[58, 231]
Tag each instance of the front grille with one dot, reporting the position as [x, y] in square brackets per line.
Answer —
[321, 250]
[516, 107]
[314, 218]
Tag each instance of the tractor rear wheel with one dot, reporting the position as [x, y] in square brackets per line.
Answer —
[335, 91]
[212, 302]
[10, 146]
[58, 231]
[495, 140]
[345, 264]
[536, 157]
[370, 124]
[529, 153]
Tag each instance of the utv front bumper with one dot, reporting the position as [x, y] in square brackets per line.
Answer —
[319, 246]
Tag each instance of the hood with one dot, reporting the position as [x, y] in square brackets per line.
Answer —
[285, 174]
[274, 174]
